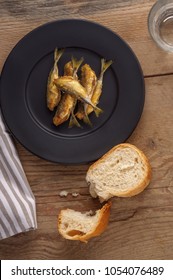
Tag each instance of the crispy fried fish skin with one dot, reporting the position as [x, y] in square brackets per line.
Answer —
[64, 109]
[53, 94]
[98, 87]
[73, 120]
[88, 81]
[73, 87]
[71, 67]
[68, 102]
[68, 69]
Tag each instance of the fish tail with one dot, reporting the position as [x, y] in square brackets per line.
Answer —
[73, 121]
[86, 118]
[105, 65]
[58, 54]
[97, 110]
[76, 63]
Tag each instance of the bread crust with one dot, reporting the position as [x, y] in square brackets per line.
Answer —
[101, 225]
[138, 188]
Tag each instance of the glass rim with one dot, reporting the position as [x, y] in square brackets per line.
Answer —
[157, 9]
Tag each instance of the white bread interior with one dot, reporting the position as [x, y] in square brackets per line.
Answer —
[74, 225]
[124, 171]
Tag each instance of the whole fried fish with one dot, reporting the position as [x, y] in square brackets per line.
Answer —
[88, 81]
[98, 87]
[74, 88]
[53, 93]
[68, 102]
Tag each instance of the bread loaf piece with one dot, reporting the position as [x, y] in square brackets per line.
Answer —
[124, 171]
[75, 225]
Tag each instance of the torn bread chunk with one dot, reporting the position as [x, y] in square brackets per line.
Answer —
[74, 225]
[124, 171]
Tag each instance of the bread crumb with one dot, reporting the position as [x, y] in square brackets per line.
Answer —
[75, 194]
[63, 193]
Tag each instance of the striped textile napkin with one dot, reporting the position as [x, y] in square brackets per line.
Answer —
[17, 202]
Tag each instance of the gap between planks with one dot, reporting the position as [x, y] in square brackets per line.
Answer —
[158, 75]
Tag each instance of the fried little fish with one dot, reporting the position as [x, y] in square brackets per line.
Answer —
[73, 119]
[68, 102]
[73, 87]
[69, 70]
[98, 87]
[53, 94]
[88, 81]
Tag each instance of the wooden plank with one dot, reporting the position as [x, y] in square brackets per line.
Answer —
[140, 227]
[127, 18]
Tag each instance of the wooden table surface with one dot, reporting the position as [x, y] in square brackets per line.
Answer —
[140, 227]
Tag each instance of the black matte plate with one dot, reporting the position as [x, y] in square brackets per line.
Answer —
[23, 91]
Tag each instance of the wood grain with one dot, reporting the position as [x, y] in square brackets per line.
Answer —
[140, 227]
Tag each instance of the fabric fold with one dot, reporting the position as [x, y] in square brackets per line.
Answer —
[17, 202]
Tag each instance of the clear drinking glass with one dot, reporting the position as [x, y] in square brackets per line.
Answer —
[160, 24]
